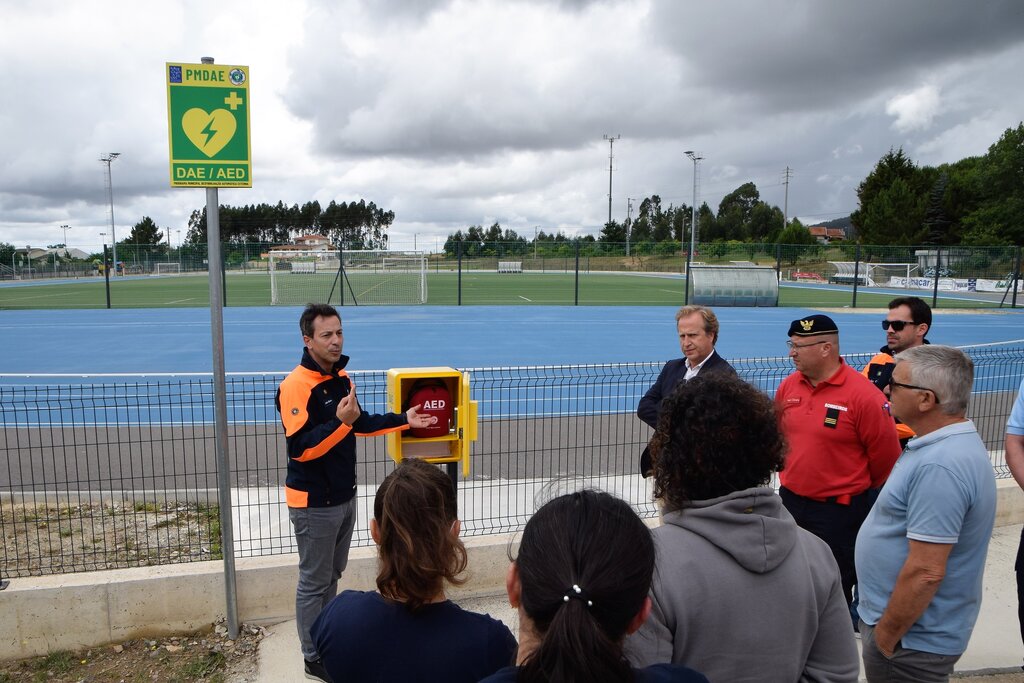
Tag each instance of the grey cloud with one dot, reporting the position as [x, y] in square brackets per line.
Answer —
[791, 55]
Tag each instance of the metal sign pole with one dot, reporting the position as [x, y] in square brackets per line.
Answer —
[220, 402]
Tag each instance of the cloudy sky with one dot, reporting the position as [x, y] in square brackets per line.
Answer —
[455, 113]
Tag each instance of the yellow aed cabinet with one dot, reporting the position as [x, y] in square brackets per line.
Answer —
[462, 430]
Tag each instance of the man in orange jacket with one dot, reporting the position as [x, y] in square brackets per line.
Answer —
[906, 325]
[321, 417]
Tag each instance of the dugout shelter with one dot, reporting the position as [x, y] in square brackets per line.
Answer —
[733, 285]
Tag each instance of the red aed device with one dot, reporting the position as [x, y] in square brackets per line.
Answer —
[434, 399]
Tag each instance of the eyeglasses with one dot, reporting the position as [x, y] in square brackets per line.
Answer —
[896, 325]
[792, 346]
[893, 383]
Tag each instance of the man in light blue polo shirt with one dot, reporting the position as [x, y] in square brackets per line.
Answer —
[1015, 461]
[921, 552]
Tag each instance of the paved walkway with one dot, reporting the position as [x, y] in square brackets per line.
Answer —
[995, 644]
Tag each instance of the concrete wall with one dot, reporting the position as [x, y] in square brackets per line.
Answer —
[74, 611]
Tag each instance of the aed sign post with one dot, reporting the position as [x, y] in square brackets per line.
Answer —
[208, 125]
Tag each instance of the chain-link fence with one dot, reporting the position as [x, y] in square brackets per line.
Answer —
[567, 272]
[101, 474]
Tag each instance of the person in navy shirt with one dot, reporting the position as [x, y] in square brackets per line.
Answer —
[581, 584]
[407, 630]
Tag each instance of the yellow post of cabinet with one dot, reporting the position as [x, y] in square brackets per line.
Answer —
[448, 442]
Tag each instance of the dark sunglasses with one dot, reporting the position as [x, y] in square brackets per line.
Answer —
[892, 384]
[896, 325]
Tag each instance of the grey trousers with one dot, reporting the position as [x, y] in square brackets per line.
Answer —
[323, 536]
[909, 666]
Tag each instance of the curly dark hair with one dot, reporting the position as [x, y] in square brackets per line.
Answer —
[716, 434]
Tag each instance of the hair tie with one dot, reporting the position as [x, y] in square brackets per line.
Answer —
[577, 593]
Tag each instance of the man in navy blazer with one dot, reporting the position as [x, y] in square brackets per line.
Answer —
[698, 334]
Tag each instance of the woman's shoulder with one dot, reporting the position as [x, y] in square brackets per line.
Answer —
[479, 621]
[669, 673]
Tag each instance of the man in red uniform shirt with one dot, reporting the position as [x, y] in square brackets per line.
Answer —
[842, 440]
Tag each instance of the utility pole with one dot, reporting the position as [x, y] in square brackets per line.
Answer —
[611, 148]
[786, 175]
[629, 220]
[107, 159]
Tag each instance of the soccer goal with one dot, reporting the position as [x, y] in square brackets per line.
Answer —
[167, 268]
[904, 275]
[359, 278]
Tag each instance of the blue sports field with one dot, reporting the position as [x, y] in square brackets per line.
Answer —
[177, 340]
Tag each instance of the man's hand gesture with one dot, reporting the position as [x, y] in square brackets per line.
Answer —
[417, 419]
[348, 408]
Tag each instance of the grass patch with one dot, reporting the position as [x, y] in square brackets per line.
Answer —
[58, 662]
[558, 285]
[203, 666]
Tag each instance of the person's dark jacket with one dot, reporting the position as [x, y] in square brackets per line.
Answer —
[321, 449]
[671, 375]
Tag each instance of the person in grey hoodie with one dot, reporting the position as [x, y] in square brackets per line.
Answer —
[740, 593]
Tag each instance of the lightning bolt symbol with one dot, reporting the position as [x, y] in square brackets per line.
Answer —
[209, 132]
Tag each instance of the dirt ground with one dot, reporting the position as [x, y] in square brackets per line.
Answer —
[202, 657]
[58, 539]
[53, 539]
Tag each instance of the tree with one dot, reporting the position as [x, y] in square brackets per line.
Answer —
[936, 219]
[144, 232]
[1000, 189]
[894, 216]
[613, 233]
[765, 223]
[706, 228]
[734, 212]
[893, 198]
[6, 252]
[796, 233]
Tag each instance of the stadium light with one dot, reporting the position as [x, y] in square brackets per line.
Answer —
[611, 146]
[110, 191]
[65, 228]
[695, 157]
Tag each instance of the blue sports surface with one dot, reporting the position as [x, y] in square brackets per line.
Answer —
[177, 340]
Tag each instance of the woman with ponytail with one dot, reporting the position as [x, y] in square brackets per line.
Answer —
[580, 584]
[407, 630]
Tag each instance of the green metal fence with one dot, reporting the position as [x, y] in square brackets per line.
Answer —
[568, 272]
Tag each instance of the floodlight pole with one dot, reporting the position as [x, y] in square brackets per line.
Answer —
[611, 148]
[694, 157]
[65, 228]
[107, 159]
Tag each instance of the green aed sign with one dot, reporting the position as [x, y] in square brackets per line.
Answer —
[208, 125]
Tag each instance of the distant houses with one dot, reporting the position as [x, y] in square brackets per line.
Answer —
[825, 235]
[315, 247]
[63, 253]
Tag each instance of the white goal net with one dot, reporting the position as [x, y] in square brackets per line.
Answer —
[162, 268]
[360, 278]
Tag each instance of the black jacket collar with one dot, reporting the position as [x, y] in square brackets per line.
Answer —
[310, 364]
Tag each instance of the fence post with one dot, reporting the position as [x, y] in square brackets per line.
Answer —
[856, 274]
[458, 285]
[223, 275]
[576, 298]
[935, 283]
[686, 286]
[778, 262]
[106, 273]
[1016, 279]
